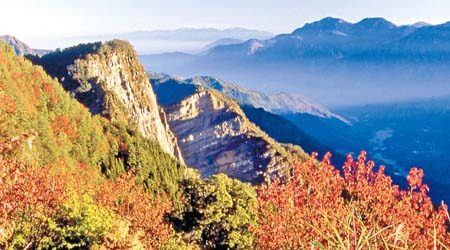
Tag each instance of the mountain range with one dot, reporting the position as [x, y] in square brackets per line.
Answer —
[192, 40]
[93, 153]
[309, 124]
[201, 128]
[369, 61]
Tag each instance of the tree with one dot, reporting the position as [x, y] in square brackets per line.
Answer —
[218, 212]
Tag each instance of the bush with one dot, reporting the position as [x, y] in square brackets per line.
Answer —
[217, 213]
[361, 209]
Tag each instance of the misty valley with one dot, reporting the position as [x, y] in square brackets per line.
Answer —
[332, 136]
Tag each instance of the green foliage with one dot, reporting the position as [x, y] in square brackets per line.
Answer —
[54, 61]
[218, 212]
[78, 224]
[155, 169]
[62, 130]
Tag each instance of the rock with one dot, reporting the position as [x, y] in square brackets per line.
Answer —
[215, 136]
[109, 80]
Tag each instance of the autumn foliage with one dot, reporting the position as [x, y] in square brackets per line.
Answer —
[48, 207]
[145, 214]
[26, 195]
[319, 208]
[70, 180]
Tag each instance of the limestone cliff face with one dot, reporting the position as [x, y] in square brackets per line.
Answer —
[110, 81]
[215, 137]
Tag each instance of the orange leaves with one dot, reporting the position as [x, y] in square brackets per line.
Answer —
[37, 75]
[26, 190]
[415, 178]
[145, 213]
[63, 124]
[362, 208]
[29, 195]
[7, 104]
[47, 88]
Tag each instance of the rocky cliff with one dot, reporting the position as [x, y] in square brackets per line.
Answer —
[216, 137]
[109, 80]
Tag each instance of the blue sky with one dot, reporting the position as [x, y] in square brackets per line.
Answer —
[30, 18]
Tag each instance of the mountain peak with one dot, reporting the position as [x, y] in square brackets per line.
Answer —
[109, 80]
[330, 21]
[375, 23]
[420, 24]
[327, 24]
[20, 47]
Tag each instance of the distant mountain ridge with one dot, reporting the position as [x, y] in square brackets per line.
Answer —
[281, 103]
[198, 34]
[333, 61]
[335, 37]
[221, 42]
[192, 40]
[20, 47]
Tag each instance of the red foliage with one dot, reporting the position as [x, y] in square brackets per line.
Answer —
[47, 88]
[319, 206]
[25, 190]
[145, 213]
[31, 193]
[37, 75]
[63, 124]
[123, 147]
[7, 104]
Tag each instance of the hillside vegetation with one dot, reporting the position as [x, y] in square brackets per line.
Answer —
[72, 180]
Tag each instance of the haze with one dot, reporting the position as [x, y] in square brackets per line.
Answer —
[42, 24]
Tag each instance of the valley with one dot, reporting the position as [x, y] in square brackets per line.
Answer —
[141, 134]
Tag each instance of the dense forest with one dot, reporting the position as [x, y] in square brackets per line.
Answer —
[73, 180]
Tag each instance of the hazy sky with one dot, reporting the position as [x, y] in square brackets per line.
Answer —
[28, 19]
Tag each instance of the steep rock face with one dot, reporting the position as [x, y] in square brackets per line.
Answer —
[109, 80]
[216, 137]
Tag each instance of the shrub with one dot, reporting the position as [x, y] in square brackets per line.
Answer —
[362, 209]
[217, 213]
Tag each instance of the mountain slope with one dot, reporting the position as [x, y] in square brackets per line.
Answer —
[109, 80]
[220, 42]
[266, 111]
[59, 130]
[281, 103]
[215, 136]
[283, 130]
[63, 171]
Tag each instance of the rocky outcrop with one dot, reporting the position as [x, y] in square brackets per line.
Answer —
[216, 137]
[20, 47]
[109, 80]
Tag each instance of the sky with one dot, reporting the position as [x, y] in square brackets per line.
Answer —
[31, 20]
